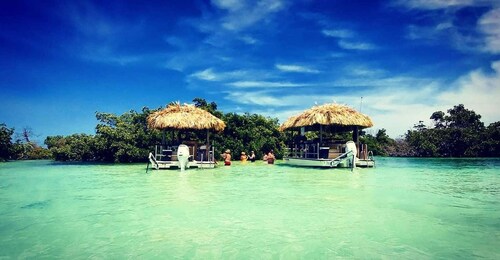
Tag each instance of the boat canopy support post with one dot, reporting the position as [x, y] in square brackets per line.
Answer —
[320, 135]
[355, 138]
[207, 150]
[355, 134]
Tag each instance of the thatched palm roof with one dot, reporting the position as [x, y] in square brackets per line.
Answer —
[329, 115]
[177, 116]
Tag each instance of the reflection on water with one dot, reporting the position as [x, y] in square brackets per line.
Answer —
[403, 208]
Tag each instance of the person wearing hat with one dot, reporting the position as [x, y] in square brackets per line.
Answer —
[243, 157]
[227, 157]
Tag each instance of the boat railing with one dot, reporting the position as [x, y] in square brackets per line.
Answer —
[202, 153]
[153, 161]
[334, 162]
[308, 150]
[323, 151]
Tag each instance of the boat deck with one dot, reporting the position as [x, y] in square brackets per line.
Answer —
[165, 157]
[328, 163]
[159, 165]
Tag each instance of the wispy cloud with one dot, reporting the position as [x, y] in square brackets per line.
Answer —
[437, 4]
[210, 75]
[338, 33]
[364, 71]
[443, 27]
[269, 99]
[380, 81]
[356, 45]
[242, 14]
[348, 39]
[489, 25]
[207, 74]
[478, 91]
[254, 98]
[98, 37]
[264, 84]
[295, 68]
[248, 39]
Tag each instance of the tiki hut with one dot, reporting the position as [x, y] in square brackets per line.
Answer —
[335, 116]
[184, 117]
[177, 116]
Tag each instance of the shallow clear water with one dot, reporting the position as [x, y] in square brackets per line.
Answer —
[403, 208]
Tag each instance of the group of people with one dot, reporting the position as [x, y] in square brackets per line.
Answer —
[269, 157]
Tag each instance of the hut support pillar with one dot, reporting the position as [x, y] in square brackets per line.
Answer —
[320, 134]
[355, 138]
[208, 146]
[355, 135]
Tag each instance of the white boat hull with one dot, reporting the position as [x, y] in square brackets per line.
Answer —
[177, 165]
[159, 165]
[326, 163]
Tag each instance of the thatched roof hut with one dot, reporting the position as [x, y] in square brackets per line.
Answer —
[177, 116]
[334, 115]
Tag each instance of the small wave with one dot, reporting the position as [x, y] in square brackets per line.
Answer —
[36, 205]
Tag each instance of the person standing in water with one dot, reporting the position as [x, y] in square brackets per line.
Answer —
[243, 157]
[252, 156]
[227, 157]
[269, 157]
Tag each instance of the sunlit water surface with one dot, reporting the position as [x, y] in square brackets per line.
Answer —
[403, 208]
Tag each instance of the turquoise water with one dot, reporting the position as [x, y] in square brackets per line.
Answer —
[403, 208]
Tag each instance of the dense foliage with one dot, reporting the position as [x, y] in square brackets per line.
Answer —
[460, 133]
[22, 148]
[126, 138]
[380, 144]
[5, 142]
[123, 138]
[245, 133]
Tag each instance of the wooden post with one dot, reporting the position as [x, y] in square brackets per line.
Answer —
[207, 146]
[355, 135]
[320, 135]
[355, 138]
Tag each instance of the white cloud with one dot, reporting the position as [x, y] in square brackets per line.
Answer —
[364, 71]
[483, 37]
[207, 74]
[263, 84]
[395, 104]
[435, 4]
[242, 14]
[210, 75]
[350, 45]
[382, 82]
[248, 39]
[338, 33]
[259, 98]
[295, 68]
[397, 109]
[347, 39]
[477, 91]
[230, 5]
[489, 25]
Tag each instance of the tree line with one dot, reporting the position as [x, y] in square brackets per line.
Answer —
[126, 138]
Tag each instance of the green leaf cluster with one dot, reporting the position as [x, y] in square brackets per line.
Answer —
[126, 138]
[459, 133]
[21, 149]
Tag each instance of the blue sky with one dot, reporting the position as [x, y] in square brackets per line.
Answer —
[396, 61]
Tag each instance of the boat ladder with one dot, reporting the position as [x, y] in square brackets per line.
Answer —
[334, 162]
[153, 161]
